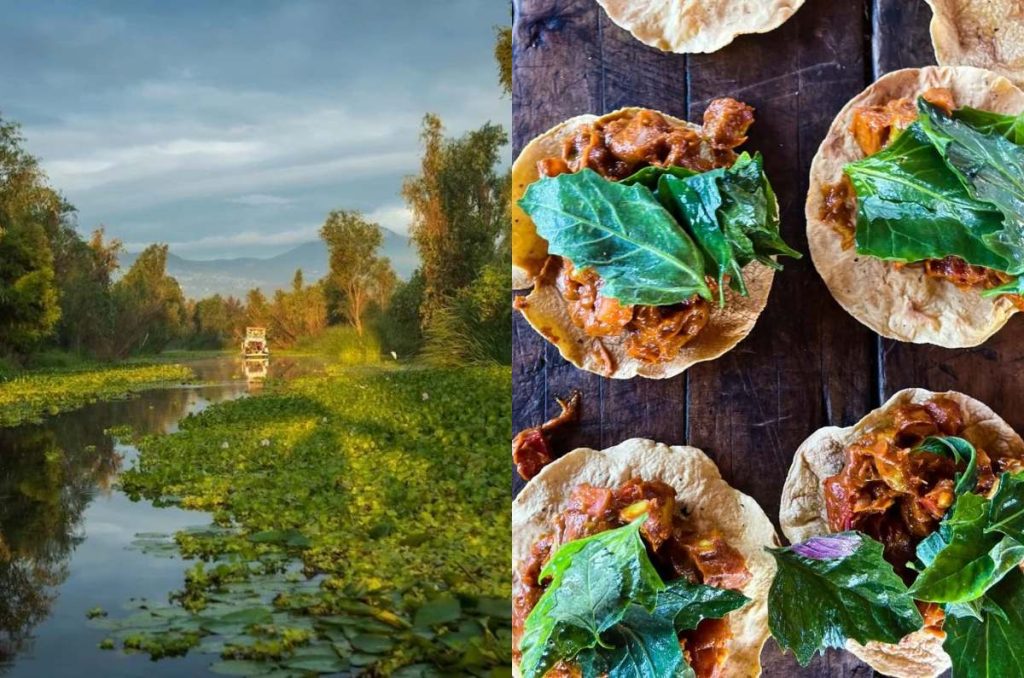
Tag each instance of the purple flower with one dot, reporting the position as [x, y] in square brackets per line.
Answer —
[826, 548]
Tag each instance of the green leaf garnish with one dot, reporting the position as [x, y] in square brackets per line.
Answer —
[622, 232]
[961, 451]
[607, 610]
[1007, 512]
[652, 236]
[993, 646]
[833, 588]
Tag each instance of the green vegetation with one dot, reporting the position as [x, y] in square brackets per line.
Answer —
[32, 395]
[361, 521]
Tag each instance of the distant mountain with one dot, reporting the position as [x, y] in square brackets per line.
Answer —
[235, 277]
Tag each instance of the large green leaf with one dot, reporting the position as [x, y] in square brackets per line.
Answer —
[992, 169]
[644, 646]
[750, 213]
[830, 589]
[686, 604]
[911, 207]
[987, 122]
[592, 583]
[964, 558]
[620, 231]
[1006, 514]
[992, 647]
[695, 203]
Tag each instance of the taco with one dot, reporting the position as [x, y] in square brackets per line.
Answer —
[910, 220]
[693, 26]
[983, 33]
[907, 532]
[649, 242]
[674, 560]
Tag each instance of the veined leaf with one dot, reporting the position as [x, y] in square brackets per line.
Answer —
[695, 202]
[992, 647]
[620, 231]
[992, 169]
[592, 583]
[650, 175]
[1009, 126]
[830, 589]
[1006, 514]
[964, 559]
[911, 207]
[686, 604]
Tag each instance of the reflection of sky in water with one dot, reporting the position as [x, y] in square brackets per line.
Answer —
[57, 508]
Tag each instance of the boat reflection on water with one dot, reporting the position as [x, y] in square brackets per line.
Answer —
[256, 371]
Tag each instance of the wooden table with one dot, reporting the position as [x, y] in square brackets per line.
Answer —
[807, 364]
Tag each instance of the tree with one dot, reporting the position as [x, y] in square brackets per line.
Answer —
[29, 211]
[358, 275]
[503, 55]
[149, 306]
[86, 273]
[459, 205]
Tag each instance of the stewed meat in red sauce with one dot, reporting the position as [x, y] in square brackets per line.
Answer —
[874, 127]
[674, 547]
[897, 494]
[615, 148]
[653, 333]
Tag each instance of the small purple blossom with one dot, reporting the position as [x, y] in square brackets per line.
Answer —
[827, 548]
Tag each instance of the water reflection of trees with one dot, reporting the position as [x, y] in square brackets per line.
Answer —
[48, 475]
[44, 488]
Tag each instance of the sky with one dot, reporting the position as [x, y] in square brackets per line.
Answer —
[231, 128]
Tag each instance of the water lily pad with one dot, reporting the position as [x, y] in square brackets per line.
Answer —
[365, 642]
[438, 611]
[240, 667]
[326, 663]
[499, 608]
[290, 537]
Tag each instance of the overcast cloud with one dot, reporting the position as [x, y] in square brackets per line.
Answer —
[232, 127]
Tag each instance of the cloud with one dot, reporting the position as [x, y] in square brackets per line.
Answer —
[260, 200]
[153, 121]
[396, 218]
[228, 242]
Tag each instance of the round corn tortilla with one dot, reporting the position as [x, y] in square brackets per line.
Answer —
[546, 311]
[710, 502]
[983, 33]
[802, 513]
[904, 303]
[697, 26]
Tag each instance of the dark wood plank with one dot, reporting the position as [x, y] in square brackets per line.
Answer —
[557, 74]
[994, 371]
[807, 364]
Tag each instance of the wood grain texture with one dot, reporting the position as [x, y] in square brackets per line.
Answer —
[807, 363]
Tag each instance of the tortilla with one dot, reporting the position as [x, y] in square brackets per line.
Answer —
[802, 513]
[904, 303]
[697, 26]
[710, 502]
[984, 33]
[546, 310]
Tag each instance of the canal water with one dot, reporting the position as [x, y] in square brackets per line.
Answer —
[67, 533]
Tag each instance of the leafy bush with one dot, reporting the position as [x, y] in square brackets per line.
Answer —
[344, 345]
[399, 324]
